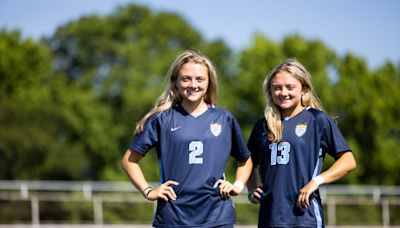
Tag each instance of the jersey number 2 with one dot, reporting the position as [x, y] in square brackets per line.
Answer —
[280, 153]
[196, 149]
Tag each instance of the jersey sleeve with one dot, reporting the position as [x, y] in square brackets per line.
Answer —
[332, 139]
[148, 138]
[254, 141]
[239, 148]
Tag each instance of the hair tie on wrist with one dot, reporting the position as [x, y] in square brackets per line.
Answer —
[146, 188]
[250, 194]
[147, 194]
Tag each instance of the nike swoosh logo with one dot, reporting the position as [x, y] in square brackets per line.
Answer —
[174, 128]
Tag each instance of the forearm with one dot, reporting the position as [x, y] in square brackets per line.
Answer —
[243, 170]
[253, 186]
[344, 164]
[253, 180]
[242, 175]
[341, 167]
[131, 167]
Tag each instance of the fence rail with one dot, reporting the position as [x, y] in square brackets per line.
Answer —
[98, 193]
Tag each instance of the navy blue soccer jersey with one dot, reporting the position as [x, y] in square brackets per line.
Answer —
[194, 152]
[288, 166]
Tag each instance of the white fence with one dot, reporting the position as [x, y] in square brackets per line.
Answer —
[99, 193]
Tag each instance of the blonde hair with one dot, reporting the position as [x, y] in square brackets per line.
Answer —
[272, 112]
[171, 96]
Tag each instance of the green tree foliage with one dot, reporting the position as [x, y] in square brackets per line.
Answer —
[23, 72]
[69, 103]
[369, 115]
[48, 130]
[23, 67]
[123, 58]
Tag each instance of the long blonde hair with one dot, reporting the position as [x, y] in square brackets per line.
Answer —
[171, 96]
[272, 112]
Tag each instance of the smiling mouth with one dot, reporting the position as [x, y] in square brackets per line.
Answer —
[192, 92]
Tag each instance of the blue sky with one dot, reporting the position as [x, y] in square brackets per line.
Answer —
[367, 28]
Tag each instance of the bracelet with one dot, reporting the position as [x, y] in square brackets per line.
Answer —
[319, 180]
[147, 194]
[250, 195]
[239, 184]
[146, 188]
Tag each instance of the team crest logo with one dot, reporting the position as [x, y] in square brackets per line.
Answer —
[215, 129]
[300, 129]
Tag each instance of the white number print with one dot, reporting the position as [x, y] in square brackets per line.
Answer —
[196, 149]
[280, 153]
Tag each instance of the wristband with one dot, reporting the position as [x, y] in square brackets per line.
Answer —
[239, 184]
[319, 179]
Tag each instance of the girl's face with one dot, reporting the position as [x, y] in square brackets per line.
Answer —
[192, 83]
[286, 93]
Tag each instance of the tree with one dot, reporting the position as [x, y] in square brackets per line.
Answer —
[48, 130]
[24, 70]
[369, 117]
[123, 57]
[69, 103]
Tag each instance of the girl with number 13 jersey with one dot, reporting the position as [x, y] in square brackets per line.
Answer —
[288, 146]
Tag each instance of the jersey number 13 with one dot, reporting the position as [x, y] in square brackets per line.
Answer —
[280, 153]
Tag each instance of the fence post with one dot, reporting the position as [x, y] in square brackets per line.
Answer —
[87, 191]
[377, 194]
[385, 213]
[331, 212]
[98, 210]
[35, 211]
[24, 191]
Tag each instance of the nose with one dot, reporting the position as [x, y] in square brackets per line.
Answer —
[284, 91]
[193, 83]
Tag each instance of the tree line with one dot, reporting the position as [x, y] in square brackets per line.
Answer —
[69, 102]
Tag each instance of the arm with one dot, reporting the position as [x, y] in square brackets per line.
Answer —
[131, 167]
[255, 192]
[242, 175]
[343, 165]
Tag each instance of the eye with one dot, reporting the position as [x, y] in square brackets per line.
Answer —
[185, 78]
[276, 88]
